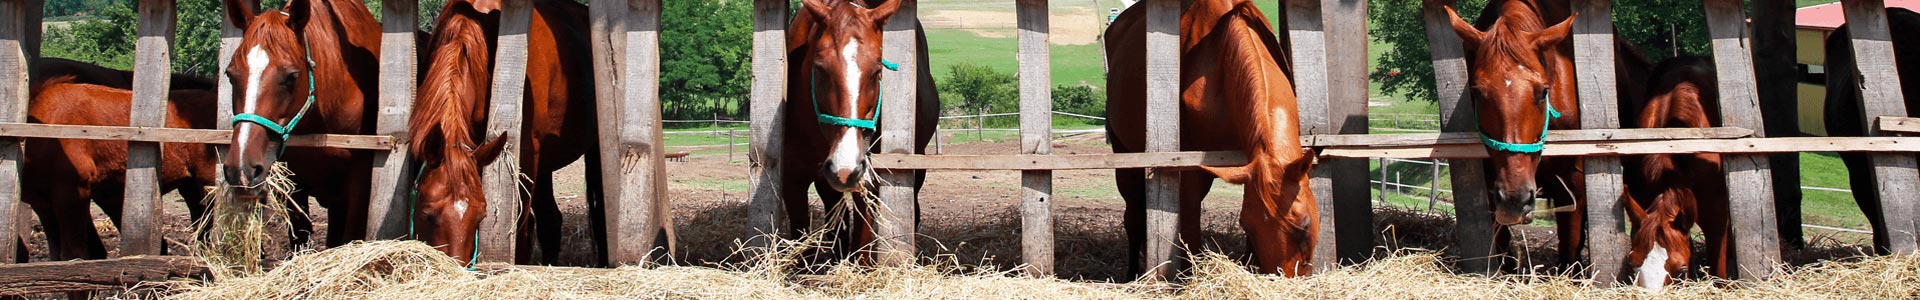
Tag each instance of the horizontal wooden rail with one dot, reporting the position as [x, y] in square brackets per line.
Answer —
[1900, 124]
[1454, 150]
[177, 135]
[1471, 138]
[93, 275]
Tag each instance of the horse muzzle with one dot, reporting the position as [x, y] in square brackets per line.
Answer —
[1512, 208]
[844, 178]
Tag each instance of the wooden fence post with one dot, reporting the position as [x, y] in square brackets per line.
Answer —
[607, 28]
[1347, 114]
[1881, 96]
[1306, 34]
[230, 37]
[644, 215]
[140, 232]
[1749, 180]
[1036, 126]
[764, 211]
[502, 181]
[1593, 53]
[1163, 135]
[895, 219]
[1475, 228]
[392, 185]
[13, 108]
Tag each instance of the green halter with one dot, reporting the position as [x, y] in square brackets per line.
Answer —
[828, 119]
[1528, 148]
[281, 133]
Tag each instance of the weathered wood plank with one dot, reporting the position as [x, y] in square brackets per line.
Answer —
[1899, 124]
[1727, 146]
[181, 135]
[1307, 37]
[895, 223]
[643, 209]
[392, 180]
[502, 179]
[1347, 114]
[768, 95]
[1881, 96]
[1036, 126]
[13, 108]
[1163, 135]
[607, 28]
[1755, 236]
[1475, 219]
[92, 275]
[139, 222]
[1593, 53]
[1577, 135]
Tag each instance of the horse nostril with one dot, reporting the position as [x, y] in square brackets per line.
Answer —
[256, 171]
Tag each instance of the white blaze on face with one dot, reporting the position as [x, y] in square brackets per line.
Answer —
[257, 61]
[1653, 269]
[846, 154]
[460, 208]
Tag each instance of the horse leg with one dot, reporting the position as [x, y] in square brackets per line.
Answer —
[1133, 189]
[110, 199]
[1194, 186]
[1570, 227]
[546, 211]
[1866, 193]
[192, 193]
[793, 194]
[300, 222]
[359, 191]
[596, 209]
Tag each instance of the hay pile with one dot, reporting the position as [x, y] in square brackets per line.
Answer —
[235, 231]
[411, 270]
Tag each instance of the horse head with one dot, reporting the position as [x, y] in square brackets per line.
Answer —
[449, 195]
[271, 72]
[844, 65]
[1658, 250]
[1511, 90]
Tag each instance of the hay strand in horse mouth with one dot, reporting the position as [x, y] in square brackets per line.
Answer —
[233, 236]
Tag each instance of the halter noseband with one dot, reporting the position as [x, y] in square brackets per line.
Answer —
[829, 119]
[281, 133]
[1528, 148]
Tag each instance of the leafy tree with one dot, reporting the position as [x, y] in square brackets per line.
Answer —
[1080, 100]
[974, 88]
[706, 56]
[1651, 25]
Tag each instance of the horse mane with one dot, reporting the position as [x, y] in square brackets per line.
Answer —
[446, 107]
[1275, 158]
[1503, 25]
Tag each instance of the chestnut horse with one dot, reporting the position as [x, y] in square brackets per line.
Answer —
[1668, 194]
[67, 173]
[45, 68]
[310, 68]
[1236, 94]
[832, 112]
[451, 115]
[1521, 76]
[1843, 108]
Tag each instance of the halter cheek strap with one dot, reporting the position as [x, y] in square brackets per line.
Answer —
[1528, 148]
[829, 119]
[413, 197]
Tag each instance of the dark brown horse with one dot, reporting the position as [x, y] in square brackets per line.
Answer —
[67, 173]
[451, 115]
[1522, 81]
[1843, 108]
[312, 66]
[833, 99]
[1236, 94]
[1669, 194]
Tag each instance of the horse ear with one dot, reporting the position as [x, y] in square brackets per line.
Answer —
[815, 7]
[297, 13]
[1553, 36]
[491, 150]
[1468, 35]
[484, 6]
[239, 12]
[885, 11]
[1234, 175]
[1634, 211]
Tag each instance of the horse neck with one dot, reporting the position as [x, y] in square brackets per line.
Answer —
[455, 84]
[343, 41]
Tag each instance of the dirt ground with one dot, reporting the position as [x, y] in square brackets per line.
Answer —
[1081, 26]
[971, 217]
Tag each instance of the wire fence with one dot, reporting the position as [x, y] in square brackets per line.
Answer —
[735, 132]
